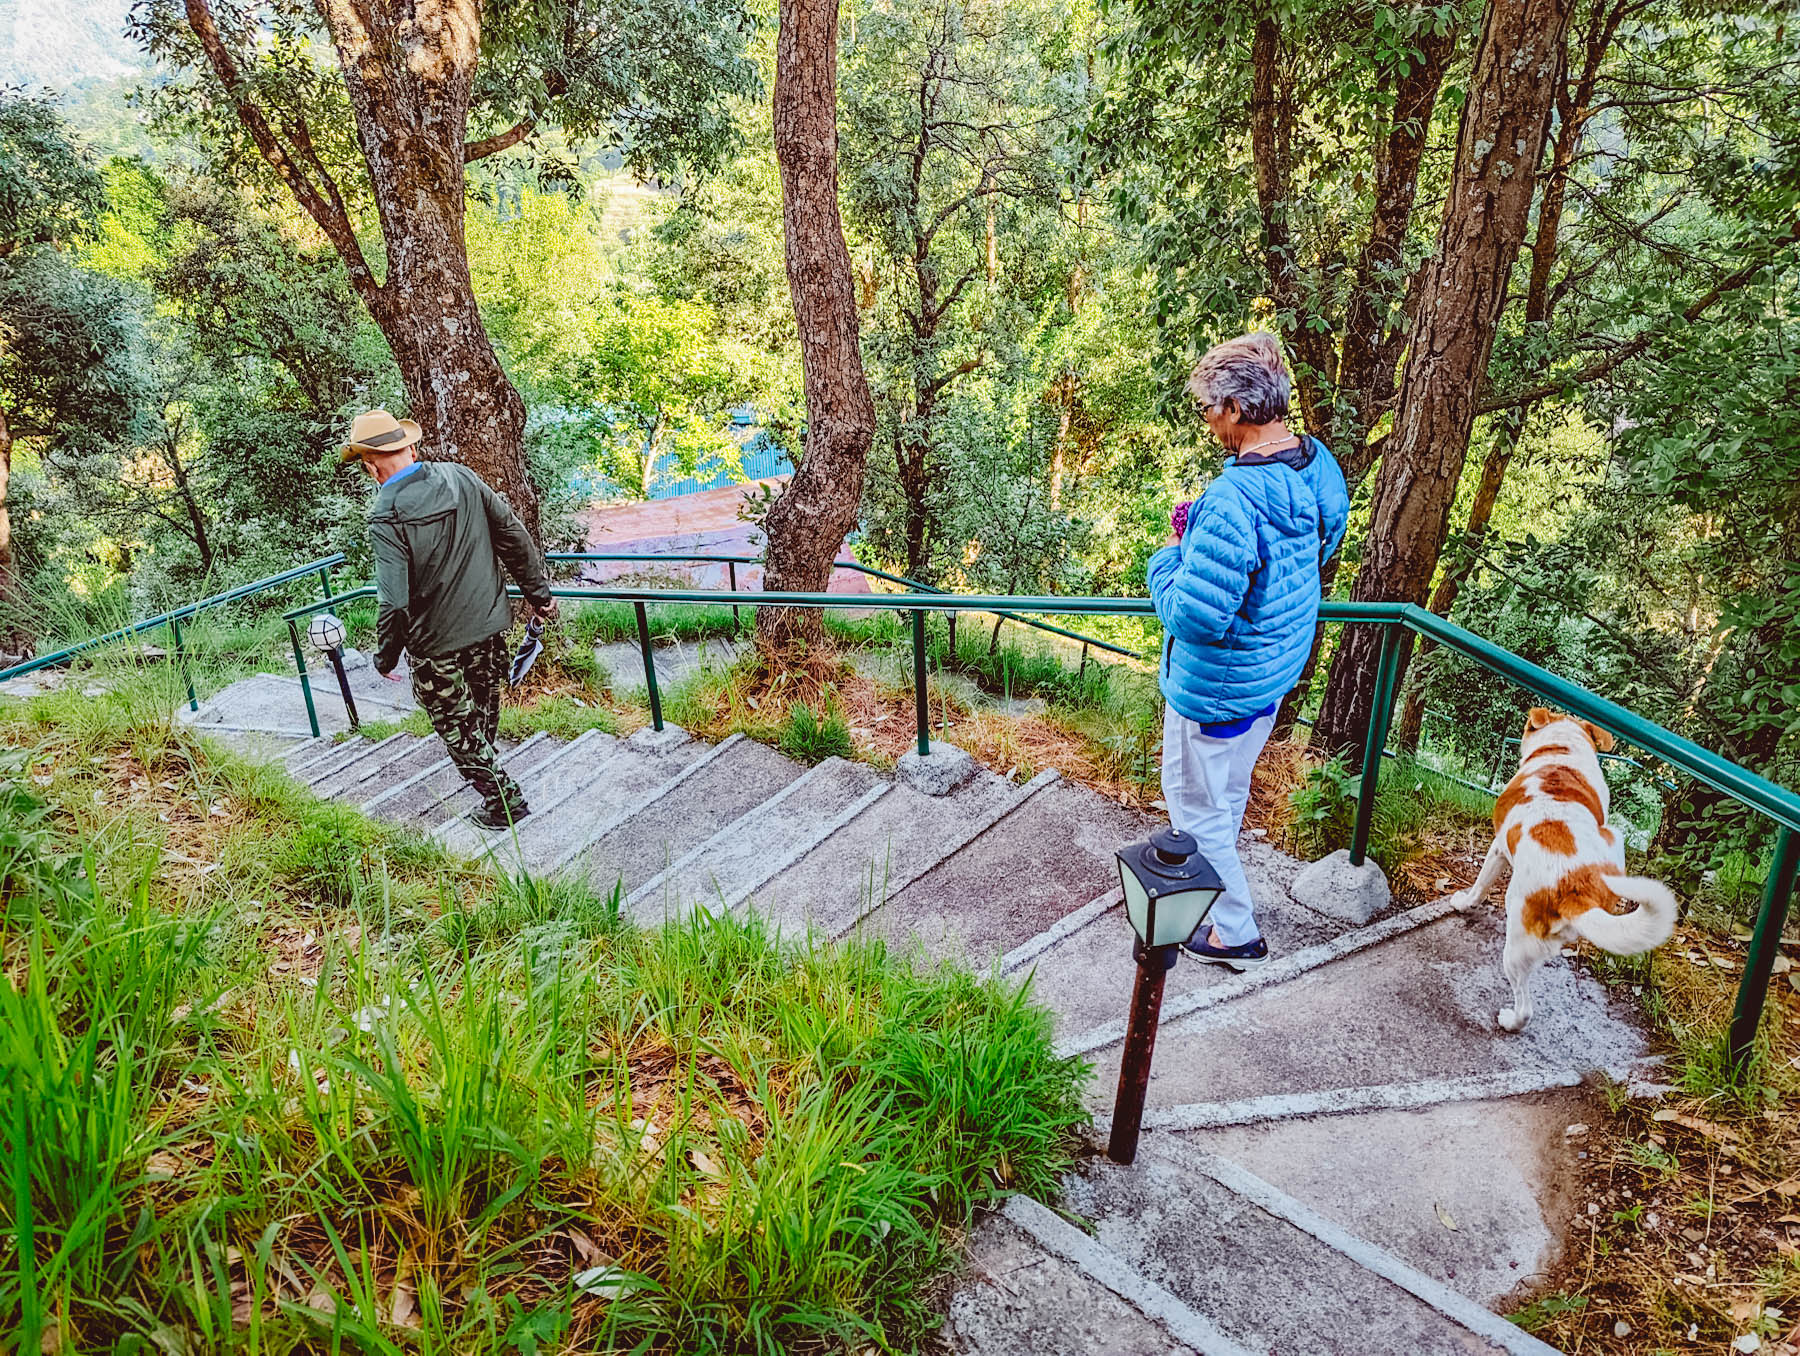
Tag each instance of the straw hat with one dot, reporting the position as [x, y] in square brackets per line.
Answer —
[377, 434]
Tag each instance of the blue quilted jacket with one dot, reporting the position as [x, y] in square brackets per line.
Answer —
[1239, 597]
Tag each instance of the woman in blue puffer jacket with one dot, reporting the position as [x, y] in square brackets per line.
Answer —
[1237, 591]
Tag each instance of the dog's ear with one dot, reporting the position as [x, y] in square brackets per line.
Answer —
[1540, 717]
[1603, 741]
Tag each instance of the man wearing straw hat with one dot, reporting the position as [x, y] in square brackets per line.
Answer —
[441, 538]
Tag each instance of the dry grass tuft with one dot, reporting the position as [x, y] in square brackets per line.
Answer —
[1694, 1239]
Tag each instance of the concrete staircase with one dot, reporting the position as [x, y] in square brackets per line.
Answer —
[1343, 1153]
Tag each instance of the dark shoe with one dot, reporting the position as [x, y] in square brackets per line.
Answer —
[1240, 958]
[498, 818]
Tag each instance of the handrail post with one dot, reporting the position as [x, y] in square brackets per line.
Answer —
[1381, 713]
[919, 702]
[181, 659]
[312, 715]
[325, 580]
[643, 624]
[1753, 992]
[731, 568]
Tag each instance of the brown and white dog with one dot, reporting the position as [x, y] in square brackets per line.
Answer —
[1568, 864]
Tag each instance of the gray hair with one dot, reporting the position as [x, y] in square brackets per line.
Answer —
[1247, 370]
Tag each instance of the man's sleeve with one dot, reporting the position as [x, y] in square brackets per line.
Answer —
[518, 552]
[393, 590]
[1199, 586]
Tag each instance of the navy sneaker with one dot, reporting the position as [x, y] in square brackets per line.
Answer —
[1245, 957]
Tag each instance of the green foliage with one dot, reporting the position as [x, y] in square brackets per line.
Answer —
[49, 193]
[811, 737]
[561, 717]
[607, 622]
[765, 1143]
[1324, 808]
[1544, 1310]
[325, 851]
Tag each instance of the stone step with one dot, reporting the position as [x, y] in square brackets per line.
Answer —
[723, 872]
[1417, 1006]
[427, 796]
[539, 786]
[350, 755]
[265, 701]
[1475, 1194]
[372, 776]
[1266, 1270]
[884, 849]
[549, 783]
[596, 788]
[732, 778]
[302, 750]
[1021, 1297]
[1085, 975]
[314, 753]
[1053, 855]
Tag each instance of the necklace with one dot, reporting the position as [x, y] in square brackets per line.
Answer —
[1246, 451]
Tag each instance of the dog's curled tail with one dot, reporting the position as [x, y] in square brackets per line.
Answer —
[1643, 929]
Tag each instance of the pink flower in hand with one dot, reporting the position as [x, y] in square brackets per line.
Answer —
[1179, 519]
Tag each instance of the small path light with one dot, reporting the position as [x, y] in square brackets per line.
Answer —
[326, 632]
[1169, 890]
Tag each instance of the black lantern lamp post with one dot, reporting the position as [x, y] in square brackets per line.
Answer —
[327, 635]
[1169, 890]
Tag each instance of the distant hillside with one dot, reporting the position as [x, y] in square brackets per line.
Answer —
[59, 43]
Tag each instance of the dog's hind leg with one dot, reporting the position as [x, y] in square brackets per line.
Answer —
[1525, 952]
[1490, 872]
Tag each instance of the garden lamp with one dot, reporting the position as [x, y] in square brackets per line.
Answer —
[1169, 889]
[326, 631]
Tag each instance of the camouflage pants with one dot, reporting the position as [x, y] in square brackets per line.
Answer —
[460, 692]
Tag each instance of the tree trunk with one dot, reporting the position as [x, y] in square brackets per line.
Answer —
[190, 504]
[1518, 63]
[409, 73]
[1272, 113]
[914, 454]
[807, 524]
[1371, 347]
[1574, 108]
[14, 639]
[410, 84]
[1443, 597]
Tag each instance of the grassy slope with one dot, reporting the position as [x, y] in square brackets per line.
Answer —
[281, 1076]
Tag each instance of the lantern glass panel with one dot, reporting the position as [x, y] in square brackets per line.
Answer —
[1178, 912]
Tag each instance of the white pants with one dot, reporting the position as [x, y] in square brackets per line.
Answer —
[1206, 785]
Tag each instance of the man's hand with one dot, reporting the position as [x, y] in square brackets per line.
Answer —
[546, 613]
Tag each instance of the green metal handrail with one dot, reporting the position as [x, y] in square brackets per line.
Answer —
[734, 561]
[173, 618]
[1395, 620]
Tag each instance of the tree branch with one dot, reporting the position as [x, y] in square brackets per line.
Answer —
[1600, 367]
[500, 141]
[325, 208]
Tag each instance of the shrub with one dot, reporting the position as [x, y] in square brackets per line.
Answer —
[812, 738]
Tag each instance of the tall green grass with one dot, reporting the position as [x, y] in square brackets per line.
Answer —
[339, 1092]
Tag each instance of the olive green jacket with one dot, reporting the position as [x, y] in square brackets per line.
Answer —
[441, 537]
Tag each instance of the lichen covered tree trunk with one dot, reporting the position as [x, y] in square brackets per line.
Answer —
[1518, 63]
[807, 524]
[409, 71]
